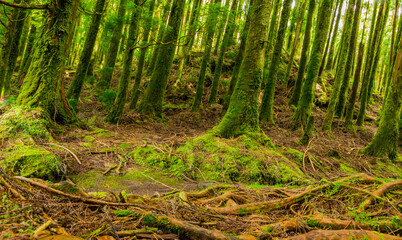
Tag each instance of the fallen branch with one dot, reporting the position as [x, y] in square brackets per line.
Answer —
[343, 235]
[12, 190]
[281, 203]
[78, 198]
[225, 196]
[378, 193]
[68, 150]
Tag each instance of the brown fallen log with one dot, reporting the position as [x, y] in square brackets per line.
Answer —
[343, 235]
[245, 209]
[379, 192]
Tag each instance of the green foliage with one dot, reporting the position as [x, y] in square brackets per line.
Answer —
[123, 213]
[107, 97]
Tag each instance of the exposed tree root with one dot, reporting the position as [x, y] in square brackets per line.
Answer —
[343, 235]
[225, 196]
[379, 192]
[208, 192]
[281, 203]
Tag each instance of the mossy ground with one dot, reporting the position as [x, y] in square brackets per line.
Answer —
[210, 158]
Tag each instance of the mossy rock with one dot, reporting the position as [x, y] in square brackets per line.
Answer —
[244, 159]
[31, 161]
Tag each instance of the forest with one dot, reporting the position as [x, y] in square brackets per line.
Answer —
[200, 119]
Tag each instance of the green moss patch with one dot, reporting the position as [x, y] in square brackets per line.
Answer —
[30, 161]
[244, 159]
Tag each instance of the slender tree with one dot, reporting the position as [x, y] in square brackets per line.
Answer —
[340, 70]
[210, 22]
[161, 32]
[221, 27]
[386, 138]
[141, 61]
[74, 90]
[118, 107]
[151, 103]
[305, 104]
[239, 57]
[227, 37]
[339, 109]
[333, 39]
[369, 66]
[242, 115]
[303, 58]
[296, 40]
[266, 112]
[26, 60]
[111, 56]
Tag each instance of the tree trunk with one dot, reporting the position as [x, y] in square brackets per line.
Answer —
[339, 109]
[225, 43]
[140, 65]
[340, 70]
[303, 58]
[213, 13]
[239, 57]
[110, 61]
[369, 64]
[386, 139]
[151, 103]
[74, 90]
[242, 115]
[266, 112]
[43, 85]
[27, 54]
[333, 40]
[161, 32]
[304, 106]
[118, 106]
[221, 27]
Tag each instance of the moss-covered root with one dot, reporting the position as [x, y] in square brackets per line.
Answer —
[183, 228]
[242, 115]
[308, 131]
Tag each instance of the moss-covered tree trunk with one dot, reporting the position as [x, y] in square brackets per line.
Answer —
[111, 56]
[292, 23]
[296, 40]
[329, 39]
[74, 90]
[305, 104]
[141, 61]
[339, 109]
[27, 54]
[340, 70]
[303, 58]
[273, 26]
[266, 112]
[239, 57]
[385, 141]
[161, 32]
[333, 39]
[353, 94]
[43, 84]
[369, 63]
[227, 37]
[14, 47]
[377, 57]
[152, 101]
[211, 21]
[223, 19]
[242, 115]
[192, 28]
[117, 109]
[7, 44]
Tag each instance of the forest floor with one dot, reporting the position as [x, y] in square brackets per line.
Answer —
[146, 179]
